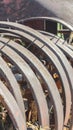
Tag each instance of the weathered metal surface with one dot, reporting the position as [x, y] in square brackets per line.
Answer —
[48, 51]
[63, 45]
[33, 82]
[69, 46]
[58, 20]
[12, 84]
[31, 59]
[47, 47]
[12, 108]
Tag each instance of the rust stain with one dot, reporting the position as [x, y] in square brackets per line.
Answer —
[7, 1]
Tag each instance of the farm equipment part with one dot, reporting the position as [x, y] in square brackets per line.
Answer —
[36, 72]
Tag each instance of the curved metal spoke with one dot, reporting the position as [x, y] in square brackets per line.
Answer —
[52, 56]
[67, 49]
[67, 68]
[12, 84]
[31, 59]
[33, 82]
[13, 110]
[52, 19]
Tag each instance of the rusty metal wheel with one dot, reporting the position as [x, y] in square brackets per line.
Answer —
[32, 38]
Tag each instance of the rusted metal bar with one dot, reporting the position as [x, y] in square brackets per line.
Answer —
[11, 35]
[31, 59]
[69, 46]
[13, 110]
[64, 31]
[60, 43]
[33, 82]
[66, 48]
[57, 20]
[63, 79]
[48, 51]
[12, 84]
[53, 48]
[67, 51]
